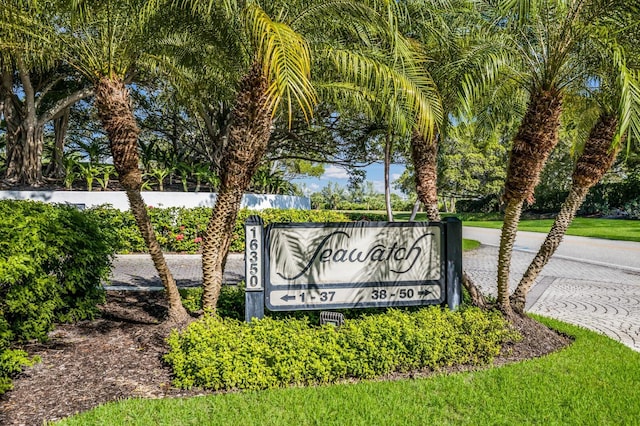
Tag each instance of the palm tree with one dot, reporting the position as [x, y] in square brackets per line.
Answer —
[551, 40]
[106, 41]
[462, 53]
[619, 114]
[278, 44]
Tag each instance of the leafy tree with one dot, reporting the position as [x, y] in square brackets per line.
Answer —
[333, 195]
[36, 87]
[471, 162]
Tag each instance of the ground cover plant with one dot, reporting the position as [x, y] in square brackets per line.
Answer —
[593, 381]
[216, 353]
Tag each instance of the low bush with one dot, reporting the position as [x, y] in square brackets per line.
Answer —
[53, 261]
[221, 353]
[182, 229]
[366, 216]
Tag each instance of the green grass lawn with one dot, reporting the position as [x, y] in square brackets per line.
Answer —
[470, 244]
[595, 381]
[611, 229]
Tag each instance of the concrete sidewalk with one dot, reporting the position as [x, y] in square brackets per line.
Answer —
[601, 298]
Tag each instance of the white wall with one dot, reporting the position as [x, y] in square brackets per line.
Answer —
[156, 199]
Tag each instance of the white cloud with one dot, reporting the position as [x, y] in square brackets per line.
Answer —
[395, 176]
[335, 172]
[309, 188]
[378, 186]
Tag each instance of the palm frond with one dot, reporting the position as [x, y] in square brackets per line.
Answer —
[629, 110]
[404, 83]
[286, 61]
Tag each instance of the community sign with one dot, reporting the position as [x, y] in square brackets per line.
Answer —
[352, 265]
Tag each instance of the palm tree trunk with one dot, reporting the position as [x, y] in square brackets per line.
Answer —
[536, 138]
[425, 163]
[247, 142]
[177, 312]
[216, 244]
[507, 238]
[116, 115]
[424, 154]
[593, 163]
[551, 243]
[387, 180]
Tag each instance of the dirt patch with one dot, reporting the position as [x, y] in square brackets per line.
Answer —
[119, 356]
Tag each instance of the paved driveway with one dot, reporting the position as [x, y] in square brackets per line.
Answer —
[601, 293]
[590, 282]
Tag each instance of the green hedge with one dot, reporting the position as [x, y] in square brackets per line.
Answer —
[221, 353]
[52, 262]
[182, 229]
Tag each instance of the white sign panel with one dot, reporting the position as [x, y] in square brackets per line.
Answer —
[366, 254]
[313, 266]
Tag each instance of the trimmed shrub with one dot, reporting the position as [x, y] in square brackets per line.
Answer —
[182, 229]
[366, 216]
[218, 353]
[53, 261]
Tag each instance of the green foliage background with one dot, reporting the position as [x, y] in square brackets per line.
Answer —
[182, 229]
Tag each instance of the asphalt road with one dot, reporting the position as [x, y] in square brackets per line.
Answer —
[615, 254]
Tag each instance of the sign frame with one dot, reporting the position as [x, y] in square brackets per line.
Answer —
[449, 282]
[254, 294]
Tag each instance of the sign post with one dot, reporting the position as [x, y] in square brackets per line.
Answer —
[453, 230]
[254, 267]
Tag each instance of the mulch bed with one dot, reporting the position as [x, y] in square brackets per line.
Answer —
[118, 356]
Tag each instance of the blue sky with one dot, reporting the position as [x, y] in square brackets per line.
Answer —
[332, 173]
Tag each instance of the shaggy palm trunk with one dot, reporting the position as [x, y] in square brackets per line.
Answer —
[593, 163]
[247, 142]
[424, 154]
[507, 239]
[116, 116]
[536, 138]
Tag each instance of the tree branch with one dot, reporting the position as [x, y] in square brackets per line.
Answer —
[65, 103]
[46, 90]
[29, 92]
